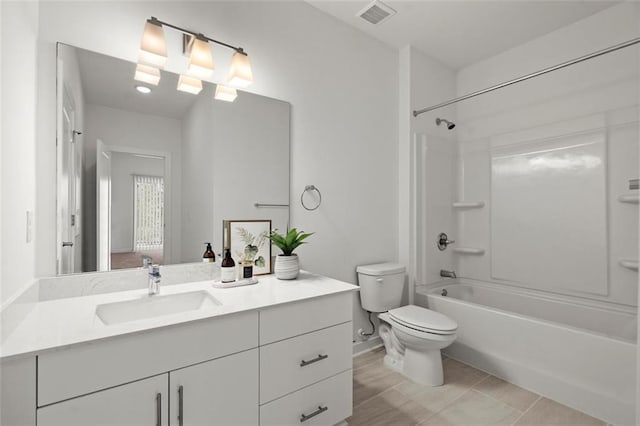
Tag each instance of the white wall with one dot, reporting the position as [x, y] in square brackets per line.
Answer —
[596, 96]
[342, 86]
[152, 134]
[19, 31]
[123, 167]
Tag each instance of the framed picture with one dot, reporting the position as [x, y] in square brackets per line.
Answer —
[249, 240]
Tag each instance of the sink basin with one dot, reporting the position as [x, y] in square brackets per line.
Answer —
[155, 306]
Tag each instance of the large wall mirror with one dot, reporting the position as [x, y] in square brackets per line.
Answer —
[155, 174]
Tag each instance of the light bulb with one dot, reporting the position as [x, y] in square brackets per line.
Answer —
[200, 60]
[225, 93]
[153, 49]
[240, 71]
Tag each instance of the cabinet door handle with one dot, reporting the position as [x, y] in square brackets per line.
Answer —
[320, 410]
[180, 406]
[158, 409]
[304, 363]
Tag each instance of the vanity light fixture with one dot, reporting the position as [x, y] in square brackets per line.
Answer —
[200, 59]
[147, 74]
[143, 89]
[153, 49]
[240, 72]
[225, 93]
[189, 84]
[153, 52]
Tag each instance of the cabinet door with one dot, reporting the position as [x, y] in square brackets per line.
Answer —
[219, 392]
[141, 403]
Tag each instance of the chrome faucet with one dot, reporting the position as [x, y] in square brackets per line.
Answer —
[154, 280]
[447, 274]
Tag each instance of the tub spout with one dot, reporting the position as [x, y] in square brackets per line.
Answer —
[447, 274]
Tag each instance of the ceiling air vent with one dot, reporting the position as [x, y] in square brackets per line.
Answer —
[376, 12]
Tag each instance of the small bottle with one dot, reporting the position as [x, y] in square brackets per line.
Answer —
[209, 256]
[227, 268]
[247, 270]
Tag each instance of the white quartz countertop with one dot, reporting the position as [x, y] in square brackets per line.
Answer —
[59, 323]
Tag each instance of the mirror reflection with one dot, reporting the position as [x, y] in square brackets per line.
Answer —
[149, 175]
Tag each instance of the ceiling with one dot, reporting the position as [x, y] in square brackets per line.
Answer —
[462, 32]
[109, 82]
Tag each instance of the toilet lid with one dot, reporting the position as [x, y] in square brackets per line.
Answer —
[423, 319]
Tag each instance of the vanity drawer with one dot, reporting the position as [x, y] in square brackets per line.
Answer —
[284, 321]
[98, 365]
[330, 399]
[291, 364]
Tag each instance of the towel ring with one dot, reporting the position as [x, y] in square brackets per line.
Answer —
[307, 189]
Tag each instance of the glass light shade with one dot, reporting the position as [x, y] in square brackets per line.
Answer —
[225, 93]
[240, 71]
[153, 49]
[189, 84]
[147, 74]
[200, 60]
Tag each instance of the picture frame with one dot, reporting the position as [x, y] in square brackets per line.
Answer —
[238, 234]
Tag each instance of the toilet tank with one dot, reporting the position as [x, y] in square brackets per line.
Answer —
[381, 286]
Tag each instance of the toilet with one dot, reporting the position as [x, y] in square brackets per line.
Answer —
[412, 335]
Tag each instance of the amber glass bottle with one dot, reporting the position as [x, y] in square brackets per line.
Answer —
[209, 256]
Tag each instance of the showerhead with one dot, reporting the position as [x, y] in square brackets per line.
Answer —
[450, 125]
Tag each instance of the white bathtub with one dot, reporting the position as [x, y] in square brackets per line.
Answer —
[580, 354]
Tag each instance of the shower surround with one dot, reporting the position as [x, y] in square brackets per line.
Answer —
[535, 185]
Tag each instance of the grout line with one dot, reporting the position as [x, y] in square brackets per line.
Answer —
[527, 410]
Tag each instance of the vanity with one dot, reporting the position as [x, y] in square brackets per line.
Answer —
[275, 353]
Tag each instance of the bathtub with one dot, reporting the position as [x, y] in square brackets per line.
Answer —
[580, 354]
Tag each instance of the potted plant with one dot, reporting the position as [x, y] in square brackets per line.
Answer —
[287, 266]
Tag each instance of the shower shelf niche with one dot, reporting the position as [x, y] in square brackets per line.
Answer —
[629, 198]
[469, 250]
[629, 264]
[468, 204]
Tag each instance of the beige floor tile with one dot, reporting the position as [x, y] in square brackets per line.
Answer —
[474, 408]
[512, 395]
[550, 413]
[458, 379]
[389, 408]
[372, 380]
[374, 355]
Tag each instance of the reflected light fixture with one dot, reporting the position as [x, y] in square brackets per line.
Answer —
[143, 89]
[153, 48]
[153, 55]
[240, 72]
[225, 93]
[189, 84]
[147, 74]
[200, 59]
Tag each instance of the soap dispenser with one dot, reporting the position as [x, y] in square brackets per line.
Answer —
[209, 256]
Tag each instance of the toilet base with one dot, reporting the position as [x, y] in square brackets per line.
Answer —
[394, 363]
[424, 366]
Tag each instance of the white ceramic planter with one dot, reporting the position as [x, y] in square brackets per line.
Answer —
[287, 267]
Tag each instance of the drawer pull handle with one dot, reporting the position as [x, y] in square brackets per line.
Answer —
[180, 405]
[320, 410]
[304, 363]
[158, 409]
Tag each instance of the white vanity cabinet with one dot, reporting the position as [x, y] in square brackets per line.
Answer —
[306, 362]
[287, 361]
[143, 402]
[220, 392]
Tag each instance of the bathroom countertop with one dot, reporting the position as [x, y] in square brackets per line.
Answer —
[59, 323]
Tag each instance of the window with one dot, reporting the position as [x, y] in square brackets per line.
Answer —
[148, 213]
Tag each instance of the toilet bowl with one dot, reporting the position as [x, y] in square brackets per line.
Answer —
[413, 336]
[416, 336]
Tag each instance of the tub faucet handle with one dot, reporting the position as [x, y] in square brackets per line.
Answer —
[444, 241]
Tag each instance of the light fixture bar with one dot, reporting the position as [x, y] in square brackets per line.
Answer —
[194, 34]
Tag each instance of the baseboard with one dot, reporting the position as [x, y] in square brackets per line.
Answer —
[367, 345]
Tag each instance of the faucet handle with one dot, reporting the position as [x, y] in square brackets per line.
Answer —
[444, 241]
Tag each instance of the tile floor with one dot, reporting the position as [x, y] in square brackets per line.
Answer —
[468, 397]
